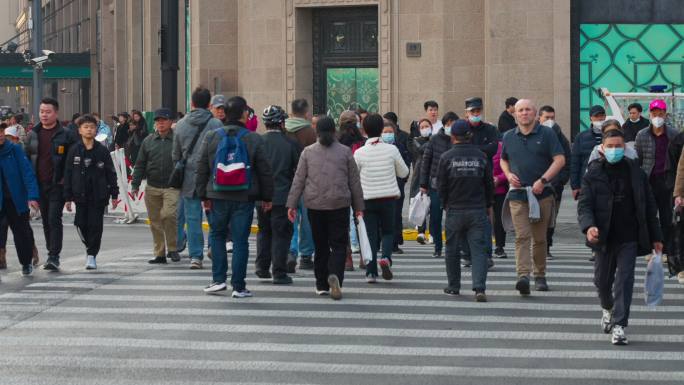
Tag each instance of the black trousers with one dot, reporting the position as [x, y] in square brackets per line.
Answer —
[51, 206]
[88, 221]
[273, 240]
[664, 201]
[399, 205]
[614, 279]
[21, 229]
[499, 232]
[549, 233]
[330, 232]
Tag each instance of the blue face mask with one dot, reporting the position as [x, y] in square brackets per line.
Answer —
[388, 138]
[447, 130]
[614, 155]
[475, 119]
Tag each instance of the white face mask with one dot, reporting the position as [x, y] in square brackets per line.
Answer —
[549, 123]
[425, 132]
[596, 126]
[634, 120]
[657, 122]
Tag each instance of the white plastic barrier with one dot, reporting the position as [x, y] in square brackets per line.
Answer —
[130, 205]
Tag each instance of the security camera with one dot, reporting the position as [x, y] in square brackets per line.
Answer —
[47, 52]
[40, 60]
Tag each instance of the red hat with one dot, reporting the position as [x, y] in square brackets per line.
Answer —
[659, 104]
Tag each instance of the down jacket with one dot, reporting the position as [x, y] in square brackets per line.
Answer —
[380, 164]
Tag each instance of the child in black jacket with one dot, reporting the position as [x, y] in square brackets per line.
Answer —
[89, 181]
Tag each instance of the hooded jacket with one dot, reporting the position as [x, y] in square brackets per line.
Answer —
[185, 131]
[300, 130]
[16, 171]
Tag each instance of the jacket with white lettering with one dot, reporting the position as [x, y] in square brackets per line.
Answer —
[464, 178]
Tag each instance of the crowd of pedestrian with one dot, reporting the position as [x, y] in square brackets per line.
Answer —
[315, 182]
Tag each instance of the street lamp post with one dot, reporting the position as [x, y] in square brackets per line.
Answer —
[37, 40]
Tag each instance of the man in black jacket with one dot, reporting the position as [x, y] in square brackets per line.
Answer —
[47, 146]
[466, 190]
[89, 181]
[439, 144]
[635, 123]
[618, 213]
[275, 230]
[506, 119]
[547, 117]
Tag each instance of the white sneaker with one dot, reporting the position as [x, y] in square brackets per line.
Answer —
[215, 287]
[619, 337]
[607, 320]
[90, 263]
[322, 293]
[680, 277]
[244, 293]
[229, 247]
[430, 240]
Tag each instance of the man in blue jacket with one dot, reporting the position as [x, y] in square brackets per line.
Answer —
[19, 192]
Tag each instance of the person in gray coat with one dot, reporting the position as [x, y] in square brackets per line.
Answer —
[329, 180]
[189, 133]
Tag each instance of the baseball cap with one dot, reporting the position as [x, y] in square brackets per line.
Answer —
[218, 101]
[163, 113]
[657, 104]
[11, 131]
[460, 128]
[597, 110]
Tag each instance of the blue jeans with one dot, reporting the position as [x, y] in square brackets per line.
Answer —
[180, 221]
[353, 236]
[239, 215]
[193, 217]
[472, 224]
[302, 241]
[436, 219]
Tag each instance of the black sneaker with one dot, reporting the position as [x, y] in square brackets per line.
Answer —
[282, 280]
[448, 291]
[500, 253]
[51, 265]
[480, 296]
[540, 284]
[523, 285]
[263, 274]
[157, 261]
[174, 256]
[306, 263]
[386, 271]
[467, 262]
[437, 254]
[291, 264]
[397, 250]
[27, 270]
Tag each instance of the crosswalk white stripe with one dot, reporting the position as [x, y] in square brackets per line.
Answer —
[337, 331]
[313, 300]
[329, 368]
[386, 350]
[328, 314]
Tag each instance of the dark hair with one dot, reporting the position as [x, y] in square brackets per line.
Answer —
[325, 129]
[637, 106]
[611, 122]
[47, 100]
[430, 103]
[424, 120]
[19, 118]
[201, 97]
[449, 116]
[546, 108]
[300, 106]
[86, 119]
[613, 134]
[95, 114]
[75, 116]
[373, 125]
[391, 116]
[511, 101]
[3, 126]
[235, 107]
[389, 123]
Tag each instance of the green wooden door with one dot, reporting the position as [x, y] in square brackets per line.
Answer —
[346, 87]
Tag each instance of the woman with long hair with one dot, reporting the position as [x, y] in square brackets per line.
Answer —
[137, 131]
[328, 179]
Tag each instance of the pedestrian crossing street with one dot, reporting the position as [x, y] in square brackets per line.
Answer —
[157, 327]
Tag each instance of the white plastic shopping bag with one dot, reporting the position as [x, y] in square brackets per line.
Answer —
[418, 209]
[364, 243]
[655, 280]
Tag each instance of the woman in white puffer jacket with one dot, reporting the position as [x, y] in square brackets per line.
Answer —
[379, 165]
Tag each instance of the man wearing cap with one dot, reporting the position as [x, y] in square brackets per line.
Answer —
[218, 107]
[47, 146]
[466, 191]
[652, 146]
[155, 163]
[507, 118]
[582, 147]
[188, 136]
[531, 157]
